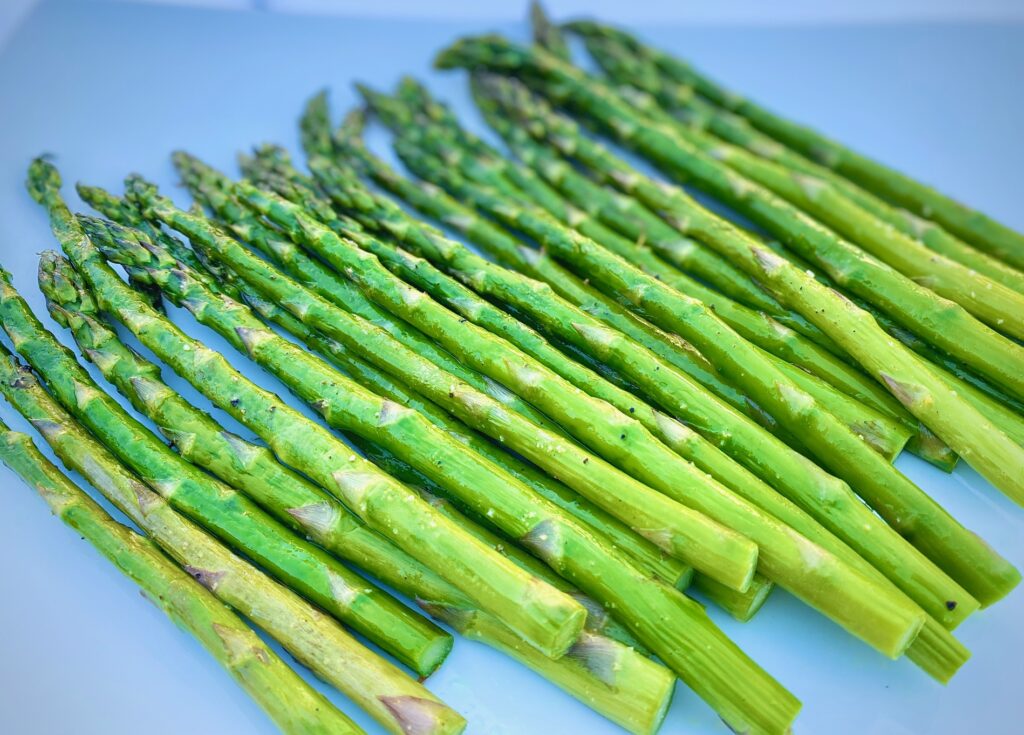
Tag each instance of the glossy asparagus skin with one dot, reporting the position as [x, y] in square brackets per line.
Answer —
[225, 512]
[880, 431]
[290, 702]
[636, 221]
[642, 552]
[725, 554]
[969, 224]
[942, 322]
[492, 581]
[887, 360]
[315, 639]
[830, 202]
[625, 67]
[634, 695]
[697, 651]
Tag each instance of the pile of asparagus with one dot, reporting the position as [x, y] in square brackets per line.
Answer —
[615, 395]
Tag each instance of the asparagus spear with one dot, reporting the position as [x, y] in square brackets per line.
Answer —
[690, 255]
[945, 324]
[937, 652]
[634, 695]
[627, 68]
[912, 382]
[741, 605]
[231, 516]
[127, 214]
[968, 224]
[290, 702]
[540, 613]
[694, 649]
[642, 552]
[677, 529]
[316, 640]
[586, 193]
[849, 517]
[879, 431]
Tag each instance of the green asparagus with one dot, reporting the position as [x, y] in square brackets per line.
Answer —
[391, 697]
[291, 703]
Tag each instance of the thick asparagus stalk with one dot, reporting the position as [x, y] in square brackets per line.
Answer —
[695, 651]
[881, 432]
[540, 613]
[231, 516]
[391, 697]
[291, 703]
[945, 324]
[912, 382]
[741, 605]
[725, 554]
[968, 224]
[635, 698]
[642, 552]
[630, 69]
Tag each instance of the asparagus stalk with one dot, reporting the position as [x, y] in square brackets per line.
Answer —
[695, 650]
[676, 528]
[799, 479]
[290, 702]
[586, 193]
[698, 326]
[885, 435]
[849, 516]
[968, 224]
[540, 613]
[945, 324]
[233, 517]
[690, 255]
[937, 652]
[316, 640]
[627, 68]
[910, 380]
[642, 552]
[741, 605]
[634, 695]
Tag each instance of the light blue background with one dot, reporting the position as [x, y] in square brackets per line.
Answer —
[113, 88]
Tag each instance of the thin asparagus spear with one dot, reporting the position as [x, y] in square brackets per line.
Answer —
[968, 224]
[881, 432]
[290, 702]
[696, 651]
[586, 193]
[643, 553]
[315, 639]
[627, 68]
[634, 695]
[676, 528]
[932, 402]
[542, 614]
[228, 514]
